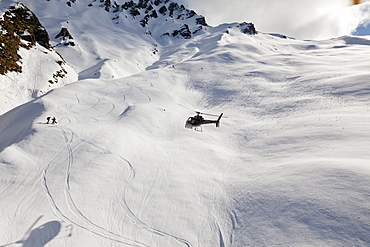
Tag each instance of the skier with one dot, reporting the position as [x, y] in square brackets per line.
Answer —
[48, 118]
[54, 120]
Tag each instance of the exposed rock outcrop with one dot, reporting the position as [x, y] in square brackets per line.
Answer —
[65, 37]
[19, 27]
[185, 23]
[29, 66]
[145, 11]
[247, 28]
[70, 2]
[184, 31]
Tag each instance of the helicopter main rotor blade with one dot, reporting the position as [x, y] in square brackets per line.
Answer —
[198, 112]
[213, 115]
[187, 107]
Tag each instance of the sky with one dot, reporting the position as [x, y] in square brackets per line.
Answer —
[302, 19]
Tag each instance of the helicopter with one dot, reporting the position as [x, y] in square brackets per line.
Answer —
[198, 120]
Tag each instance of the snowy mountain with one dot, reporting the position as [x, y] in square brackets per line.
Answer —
[29, 65]
[289, 165]
[148, 24]
[361, 20]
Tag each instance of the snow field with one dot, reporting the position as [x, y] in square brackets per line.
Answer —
[288, 166]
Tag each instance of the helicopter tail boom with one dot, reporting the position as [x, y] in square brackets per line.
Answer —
[218, 120]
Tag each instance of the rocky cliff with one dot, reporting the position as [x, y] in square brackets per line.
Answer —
[24, 51]
[19, 27]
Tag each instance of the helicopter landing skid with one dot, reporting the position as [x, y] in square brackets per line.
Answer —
[196, 128]
[199, 129]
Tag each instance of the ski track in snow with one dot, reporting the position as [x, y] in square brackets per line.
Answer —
[142, 224]
[103, 105]
[141, 90]
[79, 219]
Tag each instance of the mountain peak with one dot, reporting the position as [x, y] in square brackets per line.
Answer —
[152, 16]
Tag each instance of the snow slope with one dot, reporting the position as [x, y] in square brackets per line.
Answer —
[361, 12]
[289, 166]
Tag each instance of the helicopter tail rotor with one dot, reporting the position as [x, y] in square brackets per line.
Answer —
[218, 120]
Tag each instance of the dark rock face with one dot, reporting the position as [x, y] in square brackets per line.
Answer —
[188, 21]
[64, 33]
[201, 21]
[19, 27]
[147, 10]
[184, 31]
[69, 3]
[247, 28]
[163, 10]
[21, 21]
[66, 37]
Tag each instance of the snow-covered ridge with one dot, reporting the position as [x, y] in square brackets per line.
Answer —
[145, 26]
[174, 20]
[157, 17]
[146, 11]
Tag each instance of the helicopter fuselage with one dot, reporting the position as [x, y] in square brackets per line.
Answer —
[198, 120]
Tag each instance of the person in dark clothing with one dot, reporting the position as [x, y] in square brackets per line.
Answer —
[54, 120]
[48, 118]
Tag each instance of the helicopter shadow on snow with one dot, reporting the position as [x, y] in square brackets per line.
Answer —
[42, 235]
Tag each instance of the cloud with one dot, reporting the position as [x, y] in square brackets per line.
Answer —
[313, 19]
